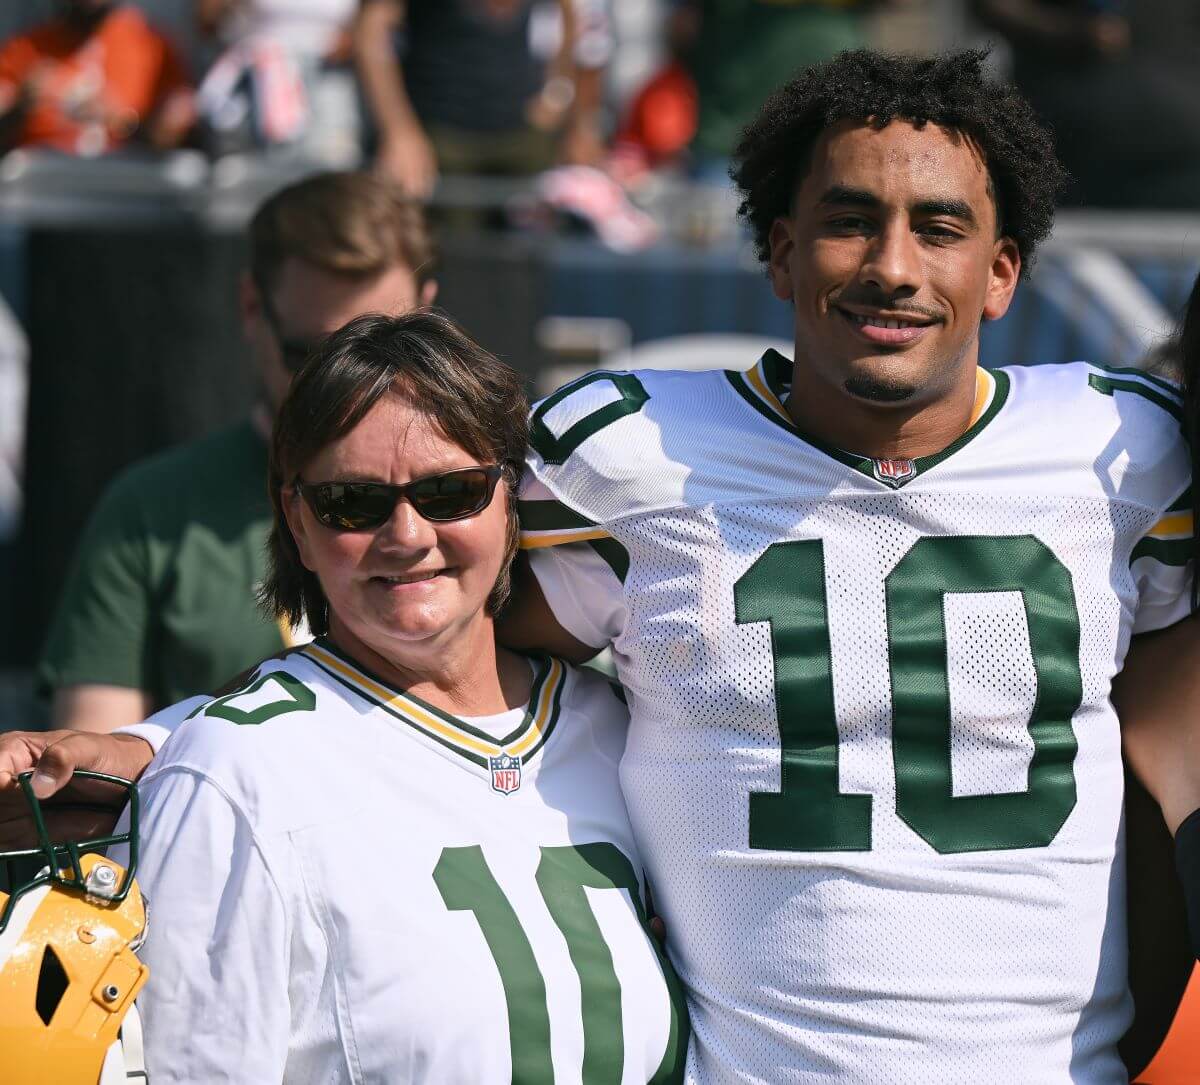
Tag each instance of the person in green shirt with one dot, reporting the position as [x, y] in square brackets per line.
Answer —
[739, 51]
[160, 603]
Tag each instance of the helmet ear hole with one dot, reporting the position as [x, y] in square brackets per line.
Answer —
[52, 985]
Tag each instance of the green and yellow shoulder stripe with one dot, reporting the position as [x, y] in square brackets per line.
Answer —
[1170, 540]
[546, 521]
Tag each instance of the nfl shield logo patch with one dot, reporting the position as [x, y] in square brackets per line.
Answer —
[894, 472]
[506, 773]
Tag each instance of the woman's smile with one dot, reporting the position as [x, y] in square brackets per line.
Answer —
[412, 579]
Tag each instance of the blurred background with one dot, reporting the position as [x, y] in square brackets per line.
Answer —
[572, 158]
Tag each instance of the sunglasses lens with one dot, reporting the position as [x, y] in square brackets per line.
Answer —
[364, 506]
[353, 506]
[452, 496]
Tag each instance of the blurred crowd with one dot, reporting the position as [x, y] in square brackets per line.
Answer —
[607, 92]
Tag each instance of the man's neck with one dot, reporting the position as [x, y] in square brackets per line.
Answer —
[880, 430]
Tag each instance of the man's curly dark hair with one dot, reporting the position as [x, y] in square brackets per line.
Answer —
[948, 90]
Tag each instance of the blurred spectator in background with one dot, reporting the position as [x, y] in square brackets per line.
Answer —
[492, 87]
[160, 603]
[739, 51]
[1120, 82]
[283, 78]
[95, 78]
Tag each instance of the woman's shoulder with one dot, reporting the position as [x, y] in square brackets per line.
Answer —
[584, 718]
[255, 740]
[590, 690]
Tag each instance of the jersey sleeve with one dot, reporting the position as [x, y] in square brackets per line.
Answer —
[1163, 567]
[1137, 420]
[217, 946]
[102, 630]
[158, 728]
[605, 451]
[591, 446]
[578, 565]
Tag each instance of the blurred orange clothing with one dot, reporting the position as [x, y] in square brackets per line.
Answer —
[1178, 1060]
[90, 89]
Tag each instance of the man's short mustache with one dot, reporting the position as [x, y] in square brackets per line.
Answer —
[878, 301]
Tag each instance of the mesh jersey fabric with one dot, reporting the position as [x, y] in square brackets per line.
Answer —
[872, 766]
[401, 914]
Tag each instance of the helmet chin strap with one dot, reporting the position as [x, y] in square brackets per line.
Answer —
[125, 1060]
[22, 912]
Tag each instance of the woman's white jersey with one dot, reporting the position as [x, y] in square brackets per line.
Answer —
[349, 885]
[873, 767]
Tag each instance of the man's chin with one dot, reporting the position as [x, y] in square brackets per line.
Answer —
[879, 389]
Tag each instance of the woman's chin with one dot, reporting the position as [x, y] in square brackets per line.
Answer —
[394, 627]
[413, 628]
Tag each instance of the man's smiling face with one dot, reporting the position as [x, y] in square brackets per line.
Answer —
[890, 256]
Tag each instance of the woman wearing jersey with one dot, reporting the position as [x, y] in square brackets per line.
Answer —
[460, 900]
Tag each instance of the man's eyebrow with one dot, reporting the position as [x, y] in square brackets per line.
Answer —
[841, 196]
[958, 209]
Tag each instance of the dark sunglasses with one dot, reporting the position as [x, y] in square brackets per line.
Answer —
[292, 352]
[364, 506]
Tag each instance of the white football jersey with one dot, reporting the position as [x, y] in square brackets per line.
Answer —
[872, 767]
[350, 885]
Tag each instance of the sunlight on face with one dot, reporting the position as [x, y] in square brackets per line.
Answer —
[890, 257]
[409, 586]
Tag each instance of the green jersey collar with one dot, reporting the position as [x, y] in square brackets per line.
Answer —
[765, 387]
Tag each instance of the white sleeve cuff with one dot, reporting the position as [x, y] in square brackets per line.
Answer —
[582, 592]
[159, 727]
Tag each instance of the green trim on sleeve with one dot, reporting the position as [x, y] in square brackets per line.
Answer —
[549, 516]
[1107, 386]
[1170, 387]
[1175, 552]
[615, 556]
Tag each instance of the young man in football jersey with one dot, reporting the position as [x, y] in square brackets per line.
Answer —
[869, 606]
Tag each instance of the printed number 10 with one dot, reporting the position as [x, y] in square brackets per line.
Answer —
[786, 587]
[466, 884]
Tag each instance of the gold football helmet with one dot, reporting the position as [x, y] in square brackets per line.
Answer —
[68, 969]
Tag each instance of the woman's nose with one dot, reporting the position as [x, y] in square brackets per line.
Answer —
[407, 529]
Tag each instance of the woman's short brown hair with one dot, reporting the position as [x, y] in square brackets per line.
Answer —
[476, 400]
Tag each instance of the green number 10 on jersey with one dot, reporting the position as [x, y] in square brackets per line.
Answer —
[786, 587]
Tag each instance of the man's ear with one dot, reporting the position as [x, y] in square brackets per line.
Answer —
[429, 292]
[1005, 273]
[294, 516]
[781, 243]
